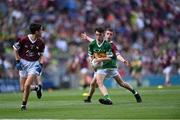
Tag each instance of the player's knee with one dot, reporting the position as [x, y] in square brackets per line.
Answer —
[27, 86]
[99, 83]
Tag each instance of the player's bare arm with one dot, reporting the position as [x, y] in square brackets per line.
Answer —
[103, 59]
[17, 57]
[120, 58]
[84, 36]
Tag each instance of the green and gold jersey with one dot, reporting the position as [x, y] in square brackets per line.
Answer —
[136, 64]
[103, 50]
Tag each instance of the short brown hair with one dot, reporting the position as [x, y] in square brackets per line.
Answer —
[99, 29]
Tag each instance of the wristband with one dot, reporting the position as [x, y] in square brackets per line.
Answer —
[17, 61]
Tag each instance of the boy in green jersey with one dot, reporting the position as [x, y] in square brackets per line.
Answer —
[100, 51]
[112, 71]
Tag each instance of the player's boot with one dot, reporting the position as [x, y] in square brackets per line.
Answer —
[23, 107]
[138, 98]
[105, 101]
[39, 92]
[87, 100]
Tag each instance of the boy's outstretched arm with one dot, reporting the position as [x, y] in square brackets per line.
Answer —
[84, 36]
[120, 58]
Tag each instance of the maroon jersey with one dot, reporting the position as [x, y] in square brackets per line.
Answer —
[165, 61]
[83, 60]
[114, 49]
[29, 50]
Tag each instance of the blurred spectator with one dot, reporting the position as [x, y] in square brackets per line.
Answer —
[136, 67]
[166, 61]
[151, 26]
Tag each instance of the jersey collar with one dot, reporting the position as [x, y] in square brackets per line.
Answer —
[99, 45]
[30, 38]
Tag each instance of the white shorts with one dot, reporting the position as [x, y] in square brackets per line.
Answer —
[167, 70]
[29, 68]
[109, 73]
[84, 70]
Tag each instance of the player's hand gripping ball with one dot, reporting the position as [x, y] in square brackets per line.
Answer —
[99, 55]
[96, 64]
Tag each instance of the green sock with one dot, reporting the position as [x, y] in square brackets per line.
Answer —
[134, 91]
[107, 97]
[89, 97]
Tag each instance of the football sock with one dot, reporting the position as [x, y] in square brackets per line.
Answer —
[89, 97]
[133, 91]
[24, 103]
[107, 97]
[40, 86]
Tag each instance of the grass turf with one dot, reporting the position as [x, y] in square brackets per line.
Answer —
[68, 104]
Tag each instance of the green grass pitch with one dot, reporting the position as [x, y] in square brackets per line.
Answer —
[68, 104]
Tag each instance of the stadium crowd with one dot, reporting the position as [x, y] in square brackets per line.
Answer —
[150, 27]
